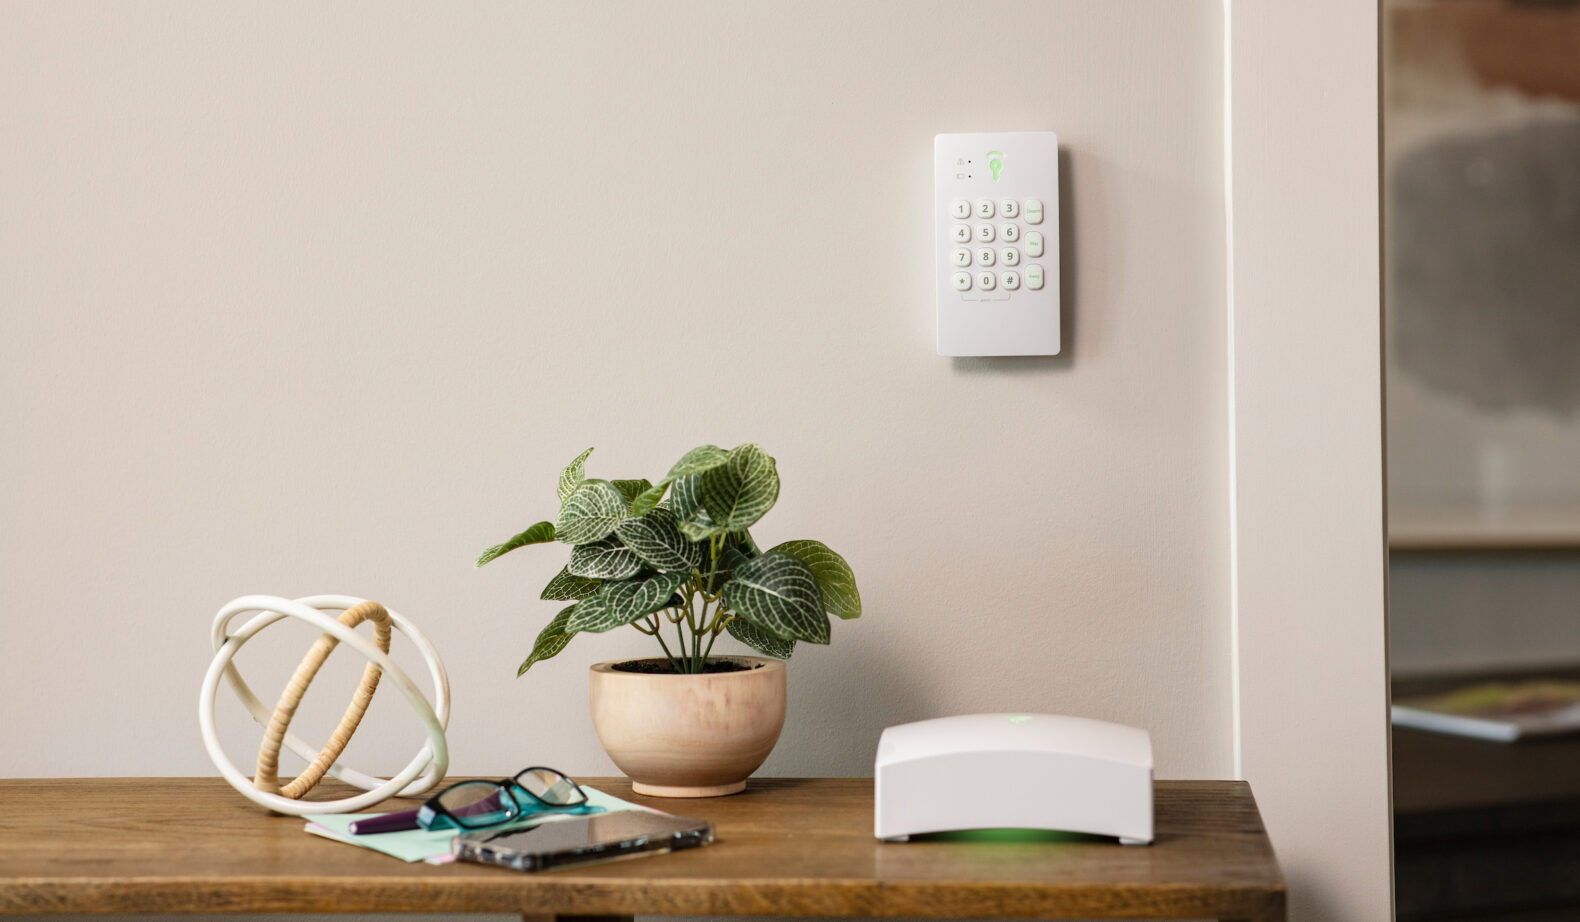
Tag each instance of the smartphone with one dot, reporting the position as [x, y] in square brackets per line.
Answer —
[582, 840]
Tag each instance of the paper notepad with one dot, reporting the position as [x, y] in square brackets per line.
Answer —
[434, 846]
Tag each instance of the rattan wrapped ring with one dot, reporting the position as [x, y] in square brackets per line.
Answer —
[430, 762]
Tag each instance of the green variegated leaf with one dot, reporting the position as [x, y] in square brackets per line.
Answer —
[606, 559]
[628, 600]
[729, 559]
[741, 490]
[656, 538]
[695, 461]
[780, 594]
[551, 640]
[685, 498]
[686, 501]
[567, 586]
[572, 475]
[591, 513]
[537, 534]
[590, 615]
[759, 639]
[631, 489]
[743, 540]
[834, 576]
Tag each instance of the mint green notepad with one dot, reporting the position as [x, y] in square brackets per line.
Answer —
[433, 847]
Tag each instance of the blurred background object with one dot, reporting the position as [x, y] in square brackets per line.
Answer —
[1482, 220]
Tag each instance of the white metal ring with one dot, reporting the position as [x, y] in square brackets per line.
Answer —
[431, 762]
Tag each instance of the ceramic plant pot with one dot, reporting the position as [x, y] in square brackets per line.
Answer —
[689, 735]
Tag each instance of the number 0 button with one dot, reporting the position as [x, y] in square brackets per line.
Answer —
[985, 281]
[962, 281]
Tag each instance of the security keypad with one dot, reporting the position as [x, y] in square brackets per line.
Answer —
[996, 200]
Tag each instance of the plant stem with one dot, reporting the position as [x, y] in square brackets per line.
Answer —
[680, 634]
[667, 655]
[711, 639]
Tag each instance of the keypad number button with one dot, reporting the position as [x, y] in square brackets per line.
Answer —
[960, 233]
[1034, 211]
[960, 209]
[985, 281]
[1009, 256]
[962, 257]
[1009, 208]
[984, 233]
[962, 281]
[985, 256]
[1009, 233]
[1009, 281]
[985, 208]
[1034, 244]
[1034, 277]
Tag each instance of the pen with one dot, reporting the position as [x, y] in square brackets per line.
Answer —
[388, 822]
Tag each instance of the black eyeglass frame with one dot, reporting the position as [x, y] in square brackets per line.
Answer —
[509, 788]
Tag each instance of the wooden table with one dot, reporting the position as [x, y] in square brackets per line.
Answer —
[798, 847]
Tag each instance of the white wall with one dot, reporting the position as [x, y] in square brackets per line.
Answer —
[302, 299]
[1310, 576]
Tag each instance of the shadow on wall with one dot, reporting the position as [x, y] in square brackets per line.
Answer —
[842, 705]
[1035, 364]
[1486, 267]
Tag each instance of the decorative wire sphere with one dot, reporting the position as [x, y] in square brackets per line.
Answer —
[420, 775]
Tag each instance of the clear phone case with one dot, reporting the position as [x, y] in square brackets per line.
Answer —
[582, 840]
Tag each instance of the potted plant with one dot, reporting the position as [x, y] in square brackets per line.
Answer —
[689, 723]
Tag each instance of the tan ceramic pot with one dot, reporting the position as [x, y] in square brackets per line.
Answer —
[689, 735]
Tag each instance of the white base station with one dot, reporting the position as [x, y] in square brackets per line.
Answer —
[1014, 771]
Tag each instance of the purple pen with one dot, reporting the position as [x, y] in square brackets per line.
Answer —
[389, 822]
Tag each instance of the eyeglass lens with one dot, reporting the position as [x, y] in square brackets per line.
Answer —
[550, 786]
[478, 803]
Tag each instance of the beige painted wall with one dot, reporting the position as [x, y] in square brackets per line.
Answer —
[1310, 558]
[299, 300]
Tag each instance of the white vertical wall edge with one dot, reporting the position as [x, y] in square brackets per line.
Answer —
[1308, 554]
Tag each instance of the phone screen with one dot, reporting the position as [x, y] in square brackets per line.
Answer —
[588, 838]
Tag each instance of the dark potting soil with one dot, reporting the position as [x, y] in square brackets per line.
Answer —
[659, 667]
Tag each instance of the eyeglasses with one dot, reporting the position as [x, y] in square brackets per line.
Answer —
[475, 804]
